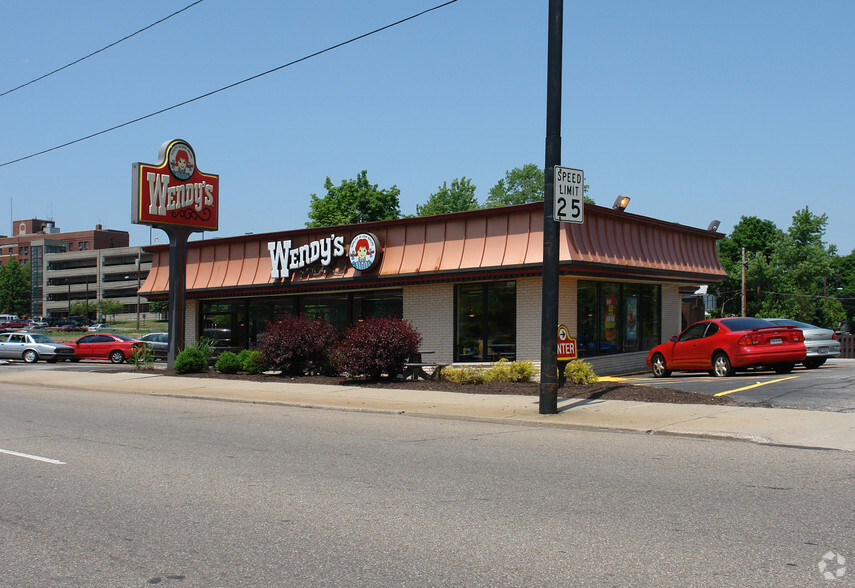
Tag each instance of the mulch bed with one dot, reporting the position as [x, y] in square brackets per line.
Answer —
[600, 390]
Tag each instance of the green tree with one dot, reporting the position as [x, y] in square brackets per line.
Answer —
[843, 284]
[521, 185]
[81, 308]
[109, 308]
[460, 197]
[354, 201]
[159, 307]
[15, 295]
[759, 238]
[803, 270]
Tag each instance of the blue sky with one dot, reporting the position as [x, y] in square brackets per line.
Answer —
[696, 110]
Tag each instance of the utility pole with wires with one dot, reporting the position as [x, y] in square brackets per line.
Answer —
[743, 284]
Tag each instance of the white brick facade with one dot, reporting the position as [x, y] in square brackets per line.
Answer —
[430, 309]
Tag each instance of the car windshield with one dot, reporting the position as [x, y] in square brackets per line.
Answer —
[38, 338]
[124, 337]
[745, 323]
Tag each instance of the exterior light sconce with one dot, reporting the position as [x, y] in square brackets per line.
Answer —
[620, 203]
[714, 225]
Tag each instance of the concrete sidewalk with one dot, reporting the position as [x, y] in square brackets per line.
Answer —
[800, 428]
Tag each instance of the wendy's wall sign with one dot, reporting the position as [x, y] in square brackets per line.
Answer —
[175, 192]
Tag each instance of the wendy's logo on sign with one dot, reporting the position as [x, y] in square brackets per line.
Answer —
[363, 251]
[182, 160]
[175, 192]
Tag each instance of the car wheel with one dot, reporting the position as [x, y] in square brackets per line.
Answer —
[31, 356]
[721, 365]
[117, 356]
[660, 370]
[783, 368]
[813, 362]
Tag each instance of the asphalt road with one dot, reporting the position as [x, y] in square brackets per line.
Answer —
[830, 387]
[173, 492]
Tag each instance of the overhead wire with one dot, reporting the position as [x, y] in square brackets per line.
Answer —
[76, 61]
[229, 86]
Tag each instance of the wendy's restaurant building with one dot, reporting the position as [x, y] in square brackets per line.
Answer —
[469, 282]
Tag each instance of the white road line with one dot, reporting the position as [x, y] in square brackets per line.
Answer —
[35, 457]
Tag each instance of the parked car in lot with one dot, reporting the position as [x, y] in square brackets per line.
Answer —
[722, 346]
[70, 326]
[32, 347]
[97, 327]
[117, 348]
[821, 343]
[158, 342]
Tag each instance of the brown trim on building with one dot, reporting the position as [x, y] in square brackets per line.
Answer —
[482, 244]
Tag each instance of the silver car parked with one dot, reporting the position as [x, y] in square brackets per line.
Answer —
[821, 343]
[32, 347]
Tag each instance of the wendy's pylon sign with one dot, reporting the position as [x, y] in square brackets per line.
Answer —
[175, 192]
[177, 198]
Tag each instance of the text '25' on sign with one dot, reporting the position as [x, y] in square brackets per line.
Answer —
[569, 195]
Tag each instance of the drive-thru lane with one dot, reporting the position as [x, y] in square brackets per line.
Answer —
[830, 387]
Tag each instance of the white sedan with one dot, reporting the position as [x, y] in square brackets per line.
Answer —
[101, 327]
[32, 347]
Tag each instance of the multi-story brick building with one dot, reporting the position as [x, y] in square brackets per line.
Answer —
[89, 265]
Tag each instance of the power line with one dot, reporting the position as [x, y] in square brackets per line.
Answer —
[76, 61]
[249, 79]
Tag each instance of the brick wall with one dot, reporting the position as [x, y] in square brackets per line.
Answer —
[672, 311]
[430, 309]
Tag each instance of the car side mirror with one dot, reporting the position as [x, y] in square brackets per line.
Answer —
[673, 339]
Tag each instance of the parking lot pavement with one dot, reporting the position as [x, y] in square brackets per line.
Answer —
[830, 387]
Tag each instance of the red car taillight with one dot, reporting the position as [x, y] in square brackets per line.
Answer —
[750, 339]
[834, 336]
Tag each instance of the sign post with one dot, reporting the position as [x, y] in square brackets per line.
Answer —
[176, 197]
[565, 353]
[548, 401]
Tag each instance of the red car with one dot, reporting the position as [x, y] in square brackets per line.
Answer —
[722, 346]
[116, 348]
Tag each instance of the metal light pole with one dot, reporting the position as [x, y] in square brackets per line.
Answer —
[549, 314]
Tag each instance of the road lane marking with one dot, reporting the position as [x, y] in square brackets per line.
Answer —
[754, 385]
[35, 457]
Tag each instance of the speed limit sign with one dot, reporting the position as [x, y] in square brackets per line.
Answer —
[569, 203]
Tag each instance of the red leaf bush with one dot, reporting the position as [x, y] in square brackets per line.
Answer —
[377, 346]
[297, 345]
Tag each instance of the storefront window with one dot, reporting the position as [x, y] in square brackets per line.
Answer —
[615, 317]
[238, 323]
[485, 324]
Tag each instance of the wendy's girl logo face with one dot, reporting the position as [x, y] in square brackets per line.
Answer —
[363, 251]
[182, 160]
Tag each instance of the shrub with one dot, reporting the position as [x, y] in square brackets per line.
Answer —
[142, 357]
[506, 371]
[228, 363]
[580, 372]
[296, 345]
[501, 371]
[191, 360]
[377, 346]
[205, 346]
[461, 375]
[251, 361]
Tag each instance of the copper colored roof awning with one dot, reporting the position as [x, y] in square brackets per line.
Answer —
[485, 243]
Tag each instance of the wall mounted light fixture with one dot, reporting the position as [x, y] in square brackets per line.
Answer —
[620, 203]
